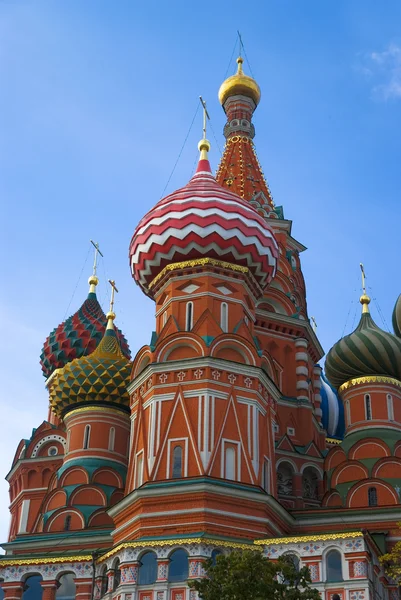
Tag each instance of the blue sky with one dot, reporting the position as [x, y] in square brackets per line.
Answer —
[96, 100]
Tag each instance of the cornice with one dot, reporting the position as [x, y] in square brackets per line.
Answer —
[368, 379]
[309, 538]
[206, 361]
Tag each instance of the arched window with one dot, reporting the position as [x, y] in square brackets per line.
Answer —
[68, 441]
[372, 496]
[229, 471]
[189, 316]
[266, 475]
[112, 435]
[215, 553]
[224, 317]
[105, 582]
[177, 463]
[368, 408]
[67, 588]
[310, 481]
[117, 575]
[139, 470]
[390, 407]
[334, 570]
[32, 588]
[284, 479]
[87, 436]
[67, 523]
[147, 568]
[178, 567]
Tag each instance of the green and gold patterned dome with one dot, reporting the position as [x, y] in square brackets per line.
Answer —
[100, 378]
[367, 351]
[397, 317]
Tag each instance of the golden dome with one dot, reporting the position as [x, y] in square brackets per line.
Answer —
[239, 84]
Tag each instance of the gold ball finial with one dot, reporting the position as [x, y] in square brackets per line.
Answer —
[204, 145]
[365, 301]
[111, 315]
[93, 280]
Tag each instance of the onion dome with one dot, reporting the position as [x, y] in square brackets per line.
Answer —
[202, 220]
[332, 410]
[367, 351]
[239, 85]
[397, 317]
[79, 335]
[100, 378]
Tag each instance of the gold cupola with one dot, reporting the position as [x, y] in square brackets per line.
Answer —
[239, 85]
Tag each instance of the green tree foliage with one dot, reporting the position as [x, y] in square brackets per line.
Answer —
[392, 562]
[248, 575]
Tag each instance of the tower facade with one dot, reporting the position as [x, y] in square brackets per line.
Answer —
[223, 433]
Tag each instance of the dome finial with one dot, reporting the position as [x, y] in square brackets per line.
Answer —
[204, 144]
[111, 315]
[93, 280]
[364, 299]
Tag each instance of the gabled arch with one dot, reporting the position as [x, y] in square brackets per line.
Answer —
[369, 448]
[143, 358]
[357, 496]
[88, 495]
[387, 468]
[179, 341]
[350, 471]
[239, 349]
[335, 457]
[100, 518]
[332, 498]
[58, 519]
[74, 476]
[107, 476]
[56, 499]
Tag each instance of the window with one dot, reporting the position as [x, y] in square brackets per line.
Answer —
[178, 567]
[291, 431]
[68, 440]
[229, 463]
[32, 588]
[112, 435]
[224, 317]
[117, 575]
[189, 316]
[177, 462]
[368, 408]
[284, 479]
[310, 483]
[164, 318]
[139, 470]
[52, 451]
[333, 566]
[215, 553]
[105, 582]
[87, 436]
[390, 407]
[372, 496]
[67, 589]
[67, 523]
[147, 568]
[266, 475]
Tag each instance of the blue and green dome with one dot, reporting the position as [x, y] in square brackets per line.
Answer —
[397, 317]
[367, 351]
[332, 410]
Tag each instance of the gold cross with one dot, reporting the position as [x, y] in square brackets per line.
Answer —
[113, 289]
[97, 251]
[363, 278]
[205, 115]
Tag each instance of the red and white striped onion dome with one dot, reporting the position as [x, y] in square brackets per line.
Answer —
[200, 220]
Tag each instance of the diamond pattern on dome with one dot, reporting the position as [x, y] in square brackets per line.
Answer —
[78, 336]
[102, 377]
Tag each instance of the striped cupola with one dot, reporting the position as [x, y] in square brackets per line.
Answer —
[367, 351]
[397, 317]
[202, 220]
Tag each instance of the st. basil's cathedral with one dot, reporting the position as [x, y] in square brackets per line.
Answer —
[223, 433]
